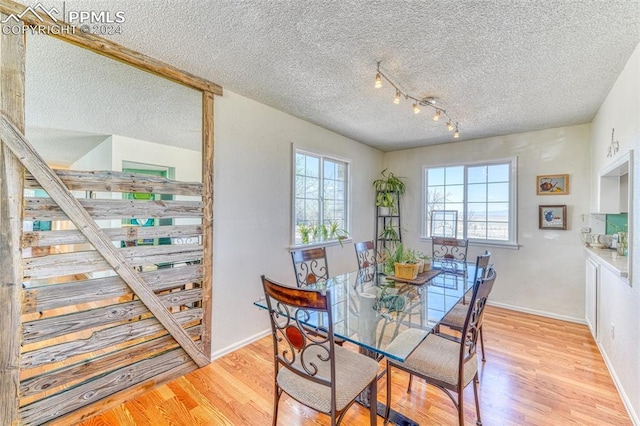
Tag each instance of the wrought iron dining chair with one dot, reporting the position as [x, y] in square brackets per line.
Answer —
[310, 265]
[366, 254]
[311, 368]
[456, 316]
[450, 253]
[448, 364]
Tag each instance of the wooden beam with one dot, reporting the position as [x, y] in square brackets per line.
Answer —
[52, 184]
[49, 328]
[148, 328]
[83, 262]
[108, 209]
[131, 233]
[207, 218]
[114, 181]
[110, 49]
[11, 183]
[46, 297]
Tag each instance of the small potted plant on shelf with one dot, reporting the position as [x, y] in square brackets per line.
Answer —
[389, 233]
[427, 262]
[386, 203]
[306, 232]
[334, 231]
[389, 183]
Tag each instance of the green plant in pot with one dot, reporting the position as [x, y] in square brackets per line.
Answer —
[307, 232]
[389, 233]
[386, 203]
[389, 183]
[335, 232]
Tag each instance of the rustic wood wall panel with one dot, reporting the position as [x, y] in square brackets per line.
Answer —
[86, 335]
[99, 322]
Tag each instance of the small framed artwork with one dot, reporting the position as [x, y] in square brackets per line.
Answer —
[552, 185]
[552, 217]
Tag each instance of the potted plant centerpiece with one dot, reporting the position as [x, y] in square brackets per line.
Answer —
[402, 263]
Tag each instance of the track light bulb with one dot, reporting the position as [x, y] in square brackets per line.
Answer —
[456, 135]
[416, 108]
[396, 100]
[449, 126]
[436, 116]
[378, 81]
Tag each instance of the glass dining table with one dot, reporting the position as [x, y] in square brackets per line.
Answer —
[386, 317]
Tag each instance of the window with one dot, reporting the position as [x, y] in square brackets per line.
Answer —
[482, 194]
[320, 198]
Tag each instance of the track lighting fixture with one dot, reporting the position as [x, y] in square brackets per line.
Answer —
[378, 83]
[417, 102]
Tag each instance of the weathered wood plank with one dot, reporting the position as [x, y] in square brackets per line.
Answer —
[108, 48]
[130, 233]
[12, 62]
[207, 215]
[83, 413]
[83, 262]
[104, 339]
[176, 361]
[47, 209]
[89, 368]
[39, 299]
[113, 181]
[49, 328]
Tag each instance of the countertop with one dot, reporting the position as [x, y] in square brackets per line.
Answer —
[611, 259]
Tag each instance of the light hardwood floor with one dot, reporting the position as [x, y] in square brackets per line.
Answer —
[539, 371]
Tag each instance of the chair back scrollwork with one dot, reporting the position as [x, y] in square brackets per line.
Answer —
[292, 312]
[366, 254]
[310, 266]
[451, 253]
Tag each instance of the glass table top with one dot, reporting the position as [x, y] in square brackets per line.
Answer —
[386, 317]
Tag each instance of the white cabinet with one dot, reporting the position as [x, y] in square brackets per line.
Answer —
[592, 294]
[613, 186]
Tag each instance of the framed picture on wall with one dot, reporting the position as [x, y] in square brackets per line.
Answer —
[552, 185]
[552, 217]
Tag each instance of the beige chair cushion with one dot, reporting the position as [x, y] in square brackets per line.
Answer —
[438, 358]
[353, 373]
[456, 316]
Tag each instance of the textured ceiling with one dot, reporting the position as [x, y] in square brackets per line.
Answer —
[497, 67]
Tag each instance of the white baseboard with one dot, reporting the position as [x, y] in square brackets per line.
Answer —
[537, 312]
[625, 399]
[237, 345]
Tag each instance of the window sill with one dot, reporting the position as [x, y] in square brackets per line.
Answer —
[476, 243]
[321, 244]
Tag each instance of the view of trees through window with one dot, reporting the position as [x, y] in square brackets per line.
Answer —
[480, 194]
[320, 198]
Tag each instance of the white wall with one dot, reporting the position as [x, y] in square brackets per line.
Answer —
[620, 304]
[252, 208]
[110, 154]
[546, 275]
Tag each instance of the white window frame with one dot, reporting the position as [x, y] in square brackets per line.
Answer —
[323, 155]
[513, 202]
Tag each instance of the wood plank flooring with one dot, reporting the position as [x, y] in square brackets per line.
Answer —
[539, 371]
